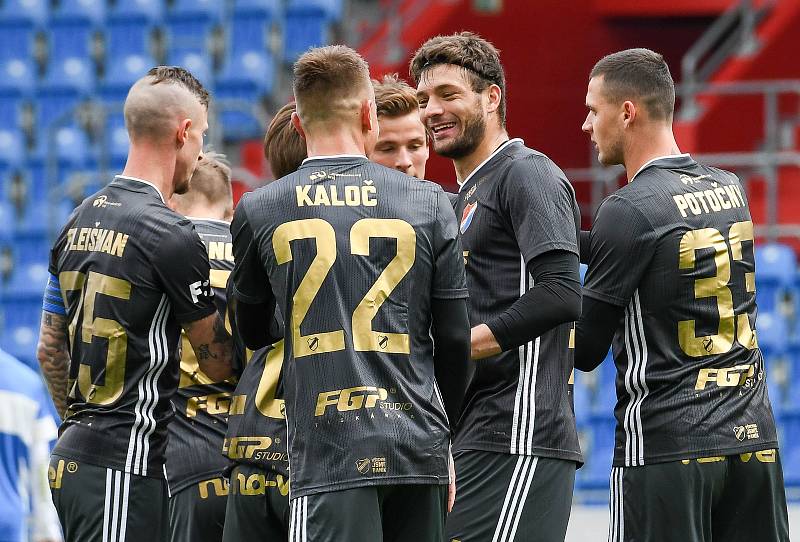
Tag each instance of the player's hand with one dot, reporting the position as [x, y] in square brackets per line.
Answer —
[451, 489]
[483, 344]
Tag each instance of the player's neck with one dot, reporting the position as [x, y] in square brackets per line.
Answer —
[151, 167]
[493, 138]
[647, 146]
[206, 212]
[334, 144]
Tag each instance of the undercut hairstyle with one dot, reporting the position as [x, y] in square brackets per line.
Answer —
[638, 74]
[179, 76]
[329, 82]
[284, 148]
[210, 184]
[477, 56]
[394, 97]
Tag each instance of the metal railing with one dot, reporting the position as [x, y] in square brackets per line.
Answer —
[733, 33]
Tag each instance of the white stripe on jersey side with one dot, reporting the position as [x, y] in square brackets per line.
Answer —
[616, 524]
[639, 325]
[524, 420]
[636, 350]
[163, 362]
[115, 515]
[521, 350]
[126, 483]
[305, 519]
[134, 444]
[107, 506]
[298, 519]
[514, 501]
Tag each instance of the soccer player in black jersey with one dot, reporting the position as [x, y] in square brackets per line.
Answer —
[367, 269]
[131, 272]
[194, 463]
[258, 501]
[671, 284]
[516, 445]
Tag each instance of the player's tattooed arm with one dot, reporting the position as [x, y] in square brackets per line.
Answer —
[53, 356]
[212, 345]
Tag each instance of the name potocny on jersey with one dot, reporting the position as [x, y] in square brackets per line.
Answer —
[131, 270]
[354, 253]
[675, 248]
[515, 206]
[197, 431]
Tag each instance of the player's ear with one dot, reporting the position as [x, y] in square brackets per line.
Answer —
[494, 97]
[628, 113]
[297, 124]
[183, 131]
[367, 122]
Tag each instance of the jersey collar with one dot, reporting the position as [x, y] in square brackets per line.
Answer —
[333, 157]
[148, 183]
[673, 159]
[214, 220]
[488, 158]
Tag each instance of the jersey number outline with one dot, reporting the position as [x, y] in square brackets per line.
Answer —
[91, 326]
[732, 327]
[365, 339]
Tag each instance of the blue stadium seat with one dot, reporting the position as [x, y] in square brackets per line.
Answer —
[775, 273]
[18, 41]
[29, 278]
[197, 63]
[139, 11]
[605, 397]
[69, 39]
[303, 31]
[117, 141]
[188, 35]
[790, 448]
[31, 247]
[16, 77]
[258, 9]
[599, 454]
[330, 9]
[10, 108]
[208, 10]
[772, 331]
[582, 399]
[89, 12]
[122, 73]
[6, 220]
[51, 107]
[250, 71]
[34, 221]
[245, 79]
[127, 37]
[12, 148]
[70, 74]
[32, 13]
[237, 114]
[248, 33]
[21, 316]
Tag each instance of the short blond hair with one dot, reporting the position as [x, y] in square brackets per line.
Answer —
[210, 184]
[328, 83]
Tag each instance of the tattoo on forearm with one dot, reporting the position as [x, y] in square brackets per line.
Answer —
[53, 355]
[204, 353]
[221, 335]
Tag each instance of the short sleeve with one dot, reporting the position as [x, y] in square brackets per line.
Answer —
[250, 282]
[449, 275]
[621, 244]
[541, 207]
[181, 264]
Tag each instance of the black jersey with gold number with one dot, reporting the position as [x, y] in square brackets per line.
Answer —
[354, 253]
[257, 426]
[514, 207]
[197, 432]
[675, 248]
[131, 270]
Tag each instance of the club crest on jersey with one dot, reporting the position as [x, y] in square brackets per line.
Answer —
[468, 215]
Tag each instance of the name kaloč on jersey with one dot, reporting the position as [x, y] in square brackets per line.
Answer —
[310, 195]
[97, 240]
[713, 200]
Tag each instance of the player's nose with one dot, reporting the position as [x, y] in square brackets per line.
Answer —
[587, 125]
[403, 161]
[432, 108]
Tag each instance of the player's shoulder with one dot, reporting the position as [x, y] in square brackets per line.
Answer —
[524, 164]
[211, 227]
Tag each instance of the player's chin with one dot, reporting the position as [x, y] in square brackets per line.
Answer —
[182, 188]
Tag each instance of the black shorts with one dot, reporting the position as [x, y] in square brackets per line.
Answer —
[398, 513]
[258, 505]
[197, 512]
[99, 504]
[738, 498]
[505, 498]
